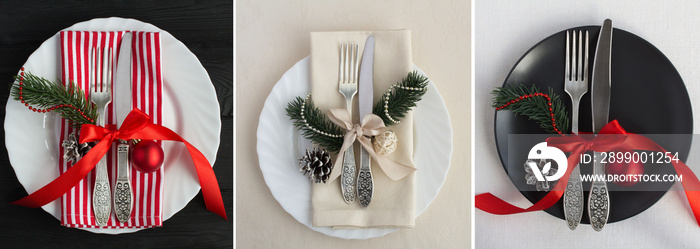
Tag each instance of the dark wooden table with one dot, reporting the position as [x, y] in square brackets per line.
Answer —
[206, 28]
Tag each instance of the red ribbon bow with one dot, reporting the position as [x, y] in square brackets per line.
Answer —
[612, 137]
[136, 125]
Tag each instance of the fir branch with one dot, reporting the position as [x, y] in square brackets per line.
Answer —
[313, 118]
[317, 128]
[536, 109]
[42, 93]
[403, 97]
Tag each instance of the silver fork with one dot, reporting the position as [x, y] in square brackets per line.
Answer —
[101, 95]
[576, 85]
[347, 83]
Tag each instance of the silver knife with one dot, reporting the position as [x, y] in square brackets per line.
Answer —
[599, 200]
[123, 197]
[365, 184]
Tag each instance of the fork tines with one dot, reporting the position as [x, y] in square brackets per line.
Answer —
[349, 64]
[578, 71]
[101, 73]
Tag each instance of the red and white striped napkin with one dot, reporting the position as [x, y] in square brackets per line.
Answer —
[147, 82]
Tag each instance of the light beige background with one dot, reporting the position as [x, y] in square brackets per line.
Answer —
[273, 35]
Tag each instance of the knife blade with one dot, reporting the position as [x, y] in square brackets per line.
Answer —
[599, 200]
[123, 197]
[365, 184]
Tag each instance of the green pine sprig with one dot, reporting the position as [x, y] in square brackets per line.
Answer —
[535, 108]
[402, 97]
[41, 93]
[316, 127]
[307, 117]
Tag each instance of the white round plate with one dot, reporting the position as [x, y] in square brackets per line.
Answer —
[189, 108]
[279, 165]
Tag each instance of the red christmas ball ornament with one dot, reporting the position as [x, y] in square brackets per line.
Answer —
[630, 170]
[147, 156]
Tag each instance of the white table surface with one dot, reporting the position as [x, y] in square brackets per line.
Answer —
[504, 31]
[273, 35]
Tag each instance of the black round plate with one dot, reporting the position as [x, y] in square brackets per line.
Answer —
[647, 96]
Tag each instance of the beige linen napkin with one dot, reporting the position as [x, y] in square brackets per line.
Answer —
[393, 203]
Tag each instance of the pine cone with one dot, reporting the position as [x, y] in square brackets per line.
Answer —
[74, 151]
[70, 146]
[317, 164]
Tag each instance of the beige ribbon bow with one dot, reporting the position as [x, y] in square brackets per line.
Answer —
[371, 125]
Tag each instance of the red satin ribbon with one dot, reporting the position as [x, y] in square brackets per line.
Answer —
[611, 138]
[136, 125]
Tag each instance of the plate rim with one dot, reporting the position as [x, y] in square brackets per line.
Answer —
[206, 146]
[377, 231]
[510, 72]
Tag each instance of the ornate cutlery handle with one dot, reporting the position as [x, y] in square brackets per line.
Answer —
[347, 178]
[365, 184]
[122, 200]
[598, 200]
[101, 196]
[573, 199]
[123, 197]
